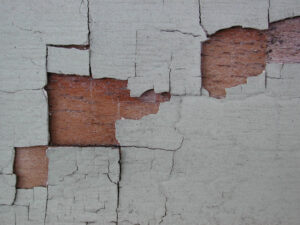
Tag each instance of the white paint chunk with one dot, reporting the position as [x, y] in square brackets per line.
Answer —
[27, 209]
[7, 156]
[282, 9]
[82, 185]
[255, 85]
[141, 197]
[283, 80]
[37, 208]
[26, 27]
[7, 189]
[237, 160]
[220, 14]
[24, 119]
[7, 215]
[24, 197]
[167, 62]
[68, 61]
[152, 131]
[140, 41]
[273, 70]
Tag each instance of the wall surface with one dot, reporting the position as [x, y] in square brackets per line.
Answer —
[182, 112]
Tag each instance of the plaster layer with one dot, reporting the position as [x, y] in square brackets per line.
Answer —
[26, 27]
[281, 9]
[220, 14]
[82, 185]
[68, 61]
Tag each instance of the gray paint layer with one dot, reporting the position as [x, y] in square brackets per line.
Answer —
[220, 14]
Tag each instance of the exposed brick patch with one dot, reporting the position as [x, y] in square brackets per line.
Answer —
[230, 56]
[31, 167]
[284, 41]
[83, 110]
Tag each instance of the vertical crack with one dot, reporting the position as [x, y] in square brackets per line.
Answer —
[170, 71]
[89, 36]
[166, 211]
[45, 206]
[282, 65]
[136, 43]
[118, 185]
[199, 12]
[269, 6]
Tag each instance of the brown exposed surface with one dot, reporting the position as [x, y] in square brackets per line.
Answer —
[230, 56]
[83, 110]
[284, 41]
[31, 167]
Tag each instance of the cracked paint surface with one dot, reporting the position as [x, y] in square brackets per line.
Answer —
[82, 185]
[182, 158]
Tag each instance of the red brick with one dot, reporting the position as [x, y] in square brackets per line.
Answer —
[83, 111]
[284, 41]
[230, 56]
[31, 167]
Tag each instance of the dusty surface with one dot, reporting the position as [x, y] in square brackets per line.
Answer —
[83, 111]
[31, 167]
[284, 41]
[230, 56]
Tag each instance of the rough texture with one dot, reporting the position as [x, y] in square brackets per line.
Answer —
[284, 41]
[195, 159]
[150, 169]
[230, 56]
[31, 167]
[7, 155]
[281, 9]
[83, 111]
[153, 131]
[166, 62]
[68, 61]
[26, 27]
[83, 185]
[24, 118]
[121, 48]
[7, 189]
[28, 209]
[283, 80]
[220, 14]
[255, 85]
[233, 170]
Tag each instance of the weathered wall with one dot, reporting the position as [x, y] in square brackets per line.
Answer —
[149, 112]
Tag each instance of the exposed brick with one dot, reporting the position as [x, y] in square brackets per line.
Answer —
[83, 110]
[31, 167]
[230, 56]
[284, 41]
